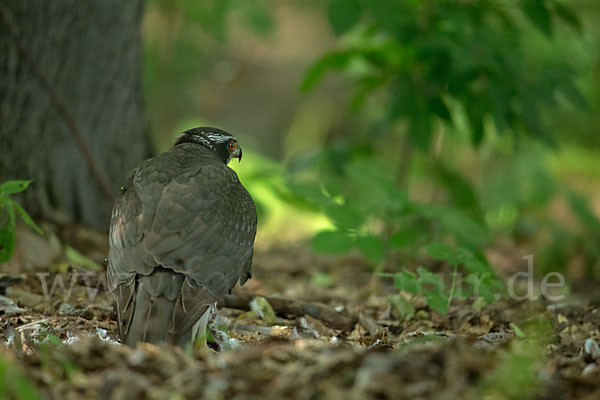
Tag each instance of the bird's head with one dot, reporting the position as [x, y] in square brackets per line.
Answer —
[222, 143]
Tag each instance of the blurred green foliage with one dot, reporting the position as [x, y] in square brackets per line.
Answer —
[517, 374]
[13, 383]
[8, 213]
[455, 132]
[433, 70]
[422, 54]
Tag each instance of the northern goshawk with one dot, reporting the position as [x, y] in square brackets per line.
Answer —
[181, 236]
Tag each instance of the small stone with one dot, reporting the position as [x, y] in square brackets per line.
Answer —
[65, 309]
[591, 347]
[9, 307]
[421, 315]
[589, 369]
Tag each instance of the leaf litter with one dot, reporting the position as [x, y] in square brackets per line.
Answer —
[275, 339]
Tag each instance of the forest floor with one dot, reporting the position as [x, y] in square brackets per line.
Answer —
[335, 336]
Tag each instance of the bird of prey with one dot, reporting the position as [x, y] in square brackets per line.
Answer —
[181, 235]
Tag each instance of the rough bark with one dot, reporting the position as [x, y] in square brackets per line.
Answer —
[70, 83]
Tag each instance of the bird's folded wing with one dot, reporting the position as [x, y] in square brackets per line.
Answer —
[199, 221]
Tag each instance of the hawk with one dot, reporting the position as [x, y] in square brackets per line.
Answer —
[181, 235]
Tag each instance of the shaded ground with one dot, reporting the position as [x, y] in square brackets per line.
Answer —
[65, 347]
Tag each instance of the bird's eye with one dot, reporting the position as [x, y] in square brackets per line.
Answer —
[231, 145]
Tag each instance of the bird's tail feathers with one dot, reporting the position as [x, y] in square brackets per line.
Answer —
[151, 319]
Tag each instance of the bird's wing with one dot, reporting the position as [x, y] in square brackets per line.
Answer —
[196, 220]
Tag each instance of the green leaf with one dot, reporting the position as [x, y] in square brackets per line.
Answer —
[460, 189]
[461, 293]
[442, 251]
[54, 340]
[346, 216]
[520, 334]
[391, 15]
[533, 122]
[4, 368]
[436, 302]
[573, 94]
[12, 218]
[438, 107]
[468, 232]
[483, 285]
[403, 98]
[478, 131]
[259, 18]
[343, 15]
[420, 132]
[428, 277]
[583, 212]
[537, 12]
[475, 266]
[23, 388]
[10, 187]
[335, 60]
[13, 383]
[407, 281]
[374, 187]
[456, 257]
[372, 247]
[80, 260]
[567, 15]
[404, 307]
[27, 218]
[7, 244]
[332, 242]
[321, 279]
[265, 310]
[404, 238]
[479, 304]
[302, 195]
[487, 291]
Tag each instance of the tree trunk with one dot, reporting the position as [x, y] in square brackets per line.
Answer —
[71, 111]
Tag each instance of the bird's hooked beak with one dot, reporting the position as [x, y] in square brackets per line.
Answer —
[238, 154]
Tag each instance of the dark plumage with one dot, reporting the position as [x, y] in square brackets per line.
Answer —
[181, 235]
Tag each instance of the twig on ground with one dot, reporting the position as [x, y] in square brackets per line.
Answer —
[331, 318]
